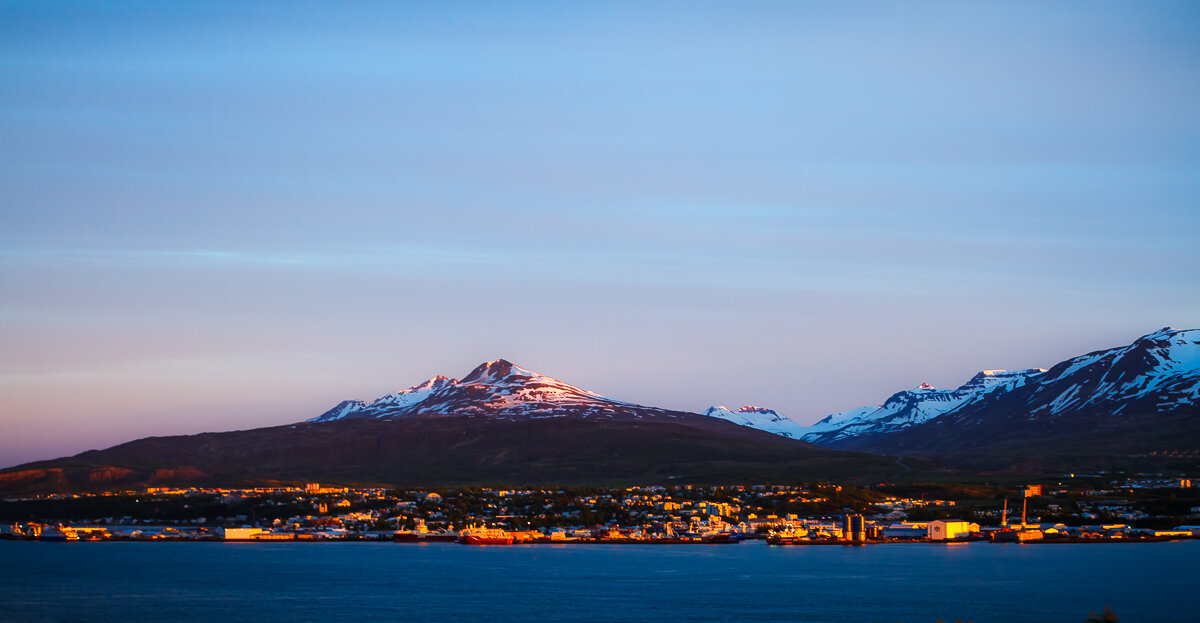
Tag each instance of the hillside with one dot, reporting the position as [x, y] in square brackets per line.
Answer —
[455, 450]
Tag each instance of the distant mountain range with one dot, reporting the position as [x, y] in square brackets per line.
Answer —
[1140, 398]
[503, 424]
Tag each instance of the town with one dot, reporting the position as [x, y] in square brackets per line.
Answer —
[1079, 508]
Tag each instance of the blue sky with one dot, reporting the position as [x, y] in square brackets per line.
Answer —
[224, 216]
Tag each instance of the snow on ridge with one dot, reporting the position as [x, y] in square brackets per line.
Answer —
[991, 378]
[840, 419]
[915, 406]
[1182, 349]
[754, 409]
[761, 418]
[1169, 353]
[387, 403]
[341, 410]
[502, 373]
[1163, 366]
[415, 393]
[1172, 348]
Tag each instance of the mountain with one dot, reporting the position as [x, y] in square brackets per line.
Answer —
[1128, 400]
[496, 389]
[911, 407]
[456, 451]
[499, 389]
[499, 425]
[760, 418]
[382, 407]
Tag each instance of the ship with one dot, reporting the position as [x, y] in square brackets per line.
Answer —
[484, 536]
[58, 533]
[422, 534]
[790, 536]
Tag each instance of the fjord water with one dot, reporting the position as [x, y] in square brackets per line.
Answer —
[359, 581]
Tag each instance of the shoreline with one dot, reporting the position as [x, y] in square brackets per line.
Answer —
[300, 538]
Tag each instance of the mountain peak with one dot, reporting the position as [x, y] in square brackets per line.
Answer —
[925, 386]
[754, 409]
[988, 378]
[495, 389]
[1166, 334]
[434, 383]
[496, 371]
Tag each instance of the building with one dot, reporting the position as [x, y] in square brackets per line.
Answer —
[944, 529]
[854, 528]
[241, 534]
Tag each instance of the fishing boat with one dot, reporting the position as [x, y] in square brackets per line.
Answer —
[721, 537]
[791, 536]
[58, 533]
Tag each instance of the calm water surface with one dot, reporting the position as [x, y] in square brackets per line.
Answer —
[981, 582]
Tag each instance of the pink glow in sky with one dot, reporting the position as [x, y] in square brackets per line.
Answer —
[219, 217]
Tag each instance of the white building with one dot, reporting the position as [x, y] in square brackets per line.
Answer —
[944, 529]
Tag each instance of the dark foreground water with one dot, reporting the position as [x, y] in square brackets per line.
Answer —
[140, 581]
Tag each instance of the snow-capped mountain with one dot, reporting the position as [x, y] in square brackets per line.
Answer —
[1158, 372]
[1129, 392]
[914, 406]
[394, 403]
[496, 389]
[1119, 393]
[760, 418]
[499, 424]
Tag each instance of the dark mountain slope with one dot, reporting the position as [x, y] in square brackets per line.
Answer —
[1119, 402]
[461, 450]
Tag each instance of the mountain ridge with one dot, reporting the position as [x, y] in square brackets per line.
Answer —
[912, 407]
[504, 424]
[497, 389]
[1117, 397]
[465, 450]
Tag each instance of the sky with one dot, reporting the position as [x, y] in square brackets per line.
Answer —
[221, 216]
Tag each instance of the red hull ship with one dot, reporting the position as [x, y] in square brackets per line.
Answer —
[485, 536]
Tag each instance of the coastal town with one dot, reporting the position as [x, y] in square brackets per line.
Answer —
[1080, 508]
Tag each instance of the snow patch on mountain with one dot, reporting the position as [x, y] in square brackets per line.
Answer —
[760, 418]
[342, 410]
[385, 405]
